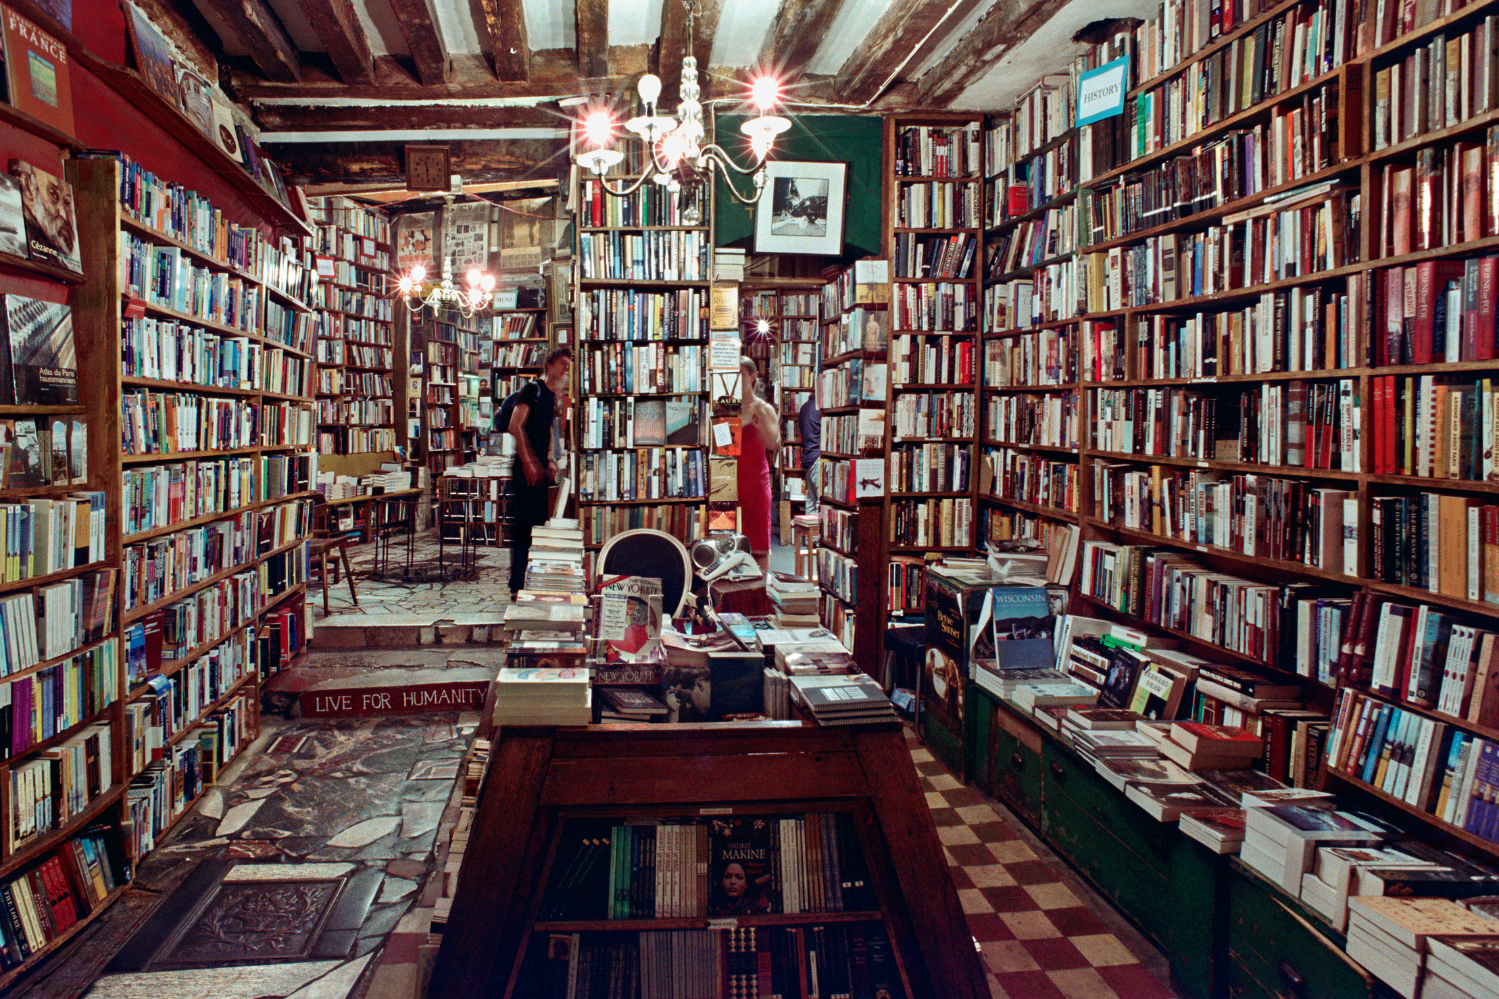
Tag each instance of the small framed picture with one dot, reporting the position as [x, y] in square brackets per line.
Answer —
[802, 208]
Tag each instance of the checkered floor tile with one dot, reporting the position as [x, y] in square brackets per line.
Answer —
[1039, 940]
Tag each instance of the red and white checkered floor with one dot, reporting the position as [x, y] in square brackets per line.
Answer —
[1040, 939]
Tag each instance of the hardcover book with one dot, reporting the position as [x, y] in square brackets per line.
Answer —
[47, 206]
[38, 365]
[650, 422]
[742, 861]
[27, 458]
[36, 69]
[12, 217]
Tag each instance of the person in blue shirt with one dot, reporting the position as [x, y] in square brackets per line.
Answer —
[809, 421]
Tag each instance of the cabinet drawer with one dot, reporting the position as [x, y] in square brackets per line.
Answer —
[1063, 774]
[1276, 954]
[1017, 770]
[1133, 882]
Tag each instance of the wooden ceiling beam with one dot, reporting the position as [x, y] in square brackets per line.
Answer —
[592, 30]
[796, 34]
[343, 38]
[418, 22]
[1005, 25]
[552, 75]
[506, 22]
[266, 40]
[479, 161]
[388, 117]
[903, 28]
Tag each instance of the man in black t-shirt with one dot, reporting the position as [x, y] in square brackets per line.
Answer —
[538, 445]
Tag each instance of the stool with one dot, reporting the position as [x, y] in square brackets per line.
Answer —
[320, 551]
[803, 530]
[904, 647]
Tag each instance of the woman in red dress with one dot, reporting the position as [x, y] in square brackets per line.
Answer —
[760, 438]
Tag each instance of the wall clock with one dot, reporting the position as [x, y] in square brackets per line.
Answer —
[428, 168]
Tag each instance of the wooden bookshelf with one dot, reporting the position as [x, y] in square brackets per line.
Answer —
[578, 775]
[642, 342]
[357, 349]
[779, 327]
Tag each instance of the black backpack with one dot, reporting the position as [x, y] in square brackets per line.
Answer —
[507, 410]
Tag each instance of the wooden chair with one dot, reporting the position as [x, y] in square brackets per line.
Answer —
[327, 545]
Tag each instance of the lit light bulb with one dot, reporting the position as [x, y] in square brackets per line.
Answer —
[488, 283]
[765, 92]
[418, 274]
[760, 145]
[473, 275]
[598, 128]
[406, 285]
[673, 147]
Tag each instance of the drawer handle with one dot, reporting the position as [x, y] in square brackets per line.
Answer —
[1292, 977]
[1058, 771]
[1017, 761]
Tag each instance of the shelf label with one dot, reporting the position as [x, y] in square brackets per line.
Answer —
[720, 810]
[1202, 464]
[1201, 548]
[1100, 92]
[723, 924]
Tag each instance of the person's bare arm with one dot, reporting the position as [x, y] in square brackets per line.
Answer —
[771, 427]
[530, 464]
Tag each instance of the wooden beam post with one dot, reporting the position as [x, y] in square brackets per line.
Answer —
[418, 21]
[1005, 25]
[342, 35]
[593, 38]
[903, 27]
[506, 22]
[269, 45]
[796, 34]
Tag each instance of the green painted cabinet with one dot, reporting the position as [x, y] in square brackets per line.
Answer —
[1275, 951]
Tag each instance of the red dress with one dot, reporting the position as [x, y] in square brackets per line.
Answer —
[754, 488]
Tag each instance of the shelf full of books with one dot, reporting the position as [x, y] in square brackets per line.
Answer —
[855, 339]
[1250, 357]
[351, 253]
[784, 319]
[641, 418]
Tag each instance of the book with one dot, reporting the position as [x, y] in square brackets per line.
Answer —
[38, 363]
[153, 60]
[1224, 740]
[37, 72]
[47, 207]
[12, 218]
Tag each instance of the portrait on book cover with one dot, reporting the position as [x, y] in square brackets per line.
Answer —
[802, 208]
[688, 692]
[742, 878]
[47, 208]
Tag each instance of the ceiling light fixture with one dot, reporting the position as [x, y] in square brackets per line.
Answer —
[676, 154]
[474, 297]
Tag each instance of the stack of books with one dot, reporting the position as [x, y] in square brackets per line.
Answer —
[842, 700]
[1281, 841]
[539, 610]
[1197, 746]
[1458, 967]
[1113, 742]
[728, 264]
[1337, 875]
[795, 600]
[624, 704]
[1219, 829]
[1388, 935]
[544, 696]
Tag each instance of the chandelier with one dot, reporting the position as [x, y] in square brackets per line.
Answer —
[675, 151]
[474, 297]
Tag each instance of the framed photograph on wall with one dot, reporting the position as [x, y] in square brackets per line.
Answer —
[801, 210]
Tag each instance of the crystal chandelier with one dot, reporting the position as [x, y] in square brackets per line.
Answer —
[675, 149]
[474, 297]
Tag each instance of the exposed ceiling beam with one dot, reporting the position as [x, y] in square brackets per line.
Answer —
[337, 24]
[506, 22]
[418, 21]
[552, 75]
[268, 44]
[592, 29]
[796, 34]
[905, 26]
[1006, 24]
[383, 195]
[383, 117]
[384, 162]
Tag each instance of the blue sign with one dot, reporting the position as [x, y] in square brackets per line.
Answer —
[1101, 91]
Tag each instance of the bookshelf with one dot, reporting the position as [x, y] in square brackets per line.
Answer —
[852, 542]
[934, 228]
[523, 849]
[642, 279]
[519, 343]
[440, 412]
[356, 350]
[1299, 438]
[201, 437]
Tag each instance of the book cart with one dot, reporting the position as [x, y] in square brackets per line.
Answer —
[507, 936]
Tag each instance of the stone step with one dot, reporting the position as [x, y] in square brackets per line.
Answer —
[360, 631]
[382, 682]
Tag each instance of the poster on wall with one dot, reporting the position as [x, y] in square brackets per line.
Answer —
[414, 241]
[465, 237]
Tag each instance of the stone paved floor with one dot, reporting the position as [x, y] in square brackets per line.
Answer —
[360, 799]
[485, 594]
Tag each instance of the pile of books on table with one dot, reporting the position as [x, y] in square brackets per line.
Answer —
[543, 696]
[1391, 936]
[795, 600]
[842, 700]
